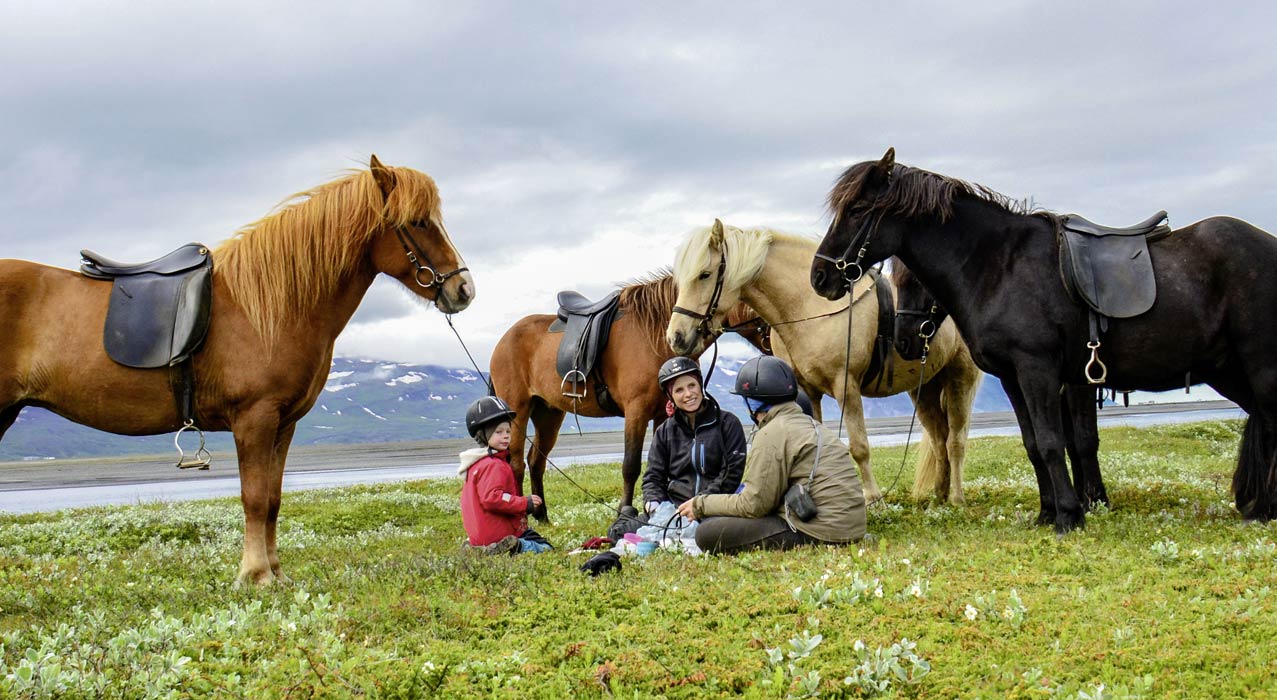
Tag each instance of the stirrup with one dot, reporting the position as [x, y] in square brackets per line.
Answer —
[572, 393]
[201, 459]
[1094, 345]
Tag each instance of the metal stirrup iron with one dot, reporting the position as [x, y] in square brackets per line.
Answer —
[201, 459]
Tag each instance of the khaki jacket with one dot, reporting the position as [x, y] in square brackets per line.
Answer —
[782, 454]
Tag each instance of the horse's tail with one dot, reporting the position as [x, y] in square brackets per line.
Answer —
[1255, 481]
[929, 471]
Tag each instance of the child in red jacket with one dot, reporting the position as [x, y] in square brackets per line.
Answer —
[494, 515]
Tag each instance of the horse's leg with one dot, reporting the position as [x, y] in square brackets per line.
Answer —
[256, 433]
[933, 470]
[814, 394]
[636, 421]
[1046, 511]
[1082, 439]
[522, 407]
[282, 442]
[1037, 403]
[8, 415]
[958, 396]
[547, 420]
[853, 421]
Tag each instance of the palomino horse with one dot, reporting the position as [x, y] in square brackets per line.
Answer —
[523, 374]
[767, 270]
[996, 268]
[283, 288]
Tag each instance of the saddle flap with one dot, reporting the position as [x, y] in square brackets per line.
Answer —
[157, 320]
[1112, 274]
[585, 335]
[188, 257]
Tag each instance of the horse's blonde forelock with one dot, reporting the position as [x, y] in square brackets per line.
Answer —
[281, 265]
[746, 253]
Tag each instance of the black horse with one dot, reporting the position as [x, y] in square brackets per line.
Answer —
[918, 314]
[996, 268]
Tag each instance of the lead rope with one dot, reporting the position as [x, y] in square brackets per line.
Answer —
[487, 381]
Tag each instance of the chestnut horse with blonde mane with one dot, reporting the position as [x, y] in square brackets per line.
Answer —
[767, 270]
[282, 289]
[524, 375]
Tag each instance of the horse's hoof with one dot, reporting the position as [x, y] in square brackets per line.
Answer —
[264, 578]
[1065, 524]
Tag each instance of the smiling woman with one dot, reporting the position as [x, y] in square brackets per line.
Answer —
[281, 291]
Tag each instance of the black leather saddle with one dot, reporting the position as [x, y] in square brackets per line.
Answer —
[1110, 268]
[586, 326]
[159, 310]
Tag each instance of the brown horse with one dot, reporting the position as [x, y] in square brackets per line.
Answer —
[523, 374]
[283, 288]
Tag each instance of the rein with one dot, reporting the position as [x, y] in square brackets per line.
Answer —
[415, 254]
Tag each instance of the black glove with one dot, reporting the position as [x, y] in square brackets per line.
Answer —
[601, 563]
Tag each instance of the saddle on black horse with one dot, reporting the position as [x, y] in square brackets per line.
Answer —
[1111, 271]
[158, 317]
[585, 326]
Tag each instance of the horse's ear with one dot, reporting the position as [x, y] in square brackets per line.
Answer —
[888, 160]
[716, 233]
[385, 179]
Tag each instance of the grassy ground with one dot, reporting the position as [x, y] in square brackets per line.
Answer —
[1167, 595]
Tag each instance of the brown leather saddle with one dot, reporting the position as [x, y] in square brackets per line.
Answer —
[158, 316]
[1110, 270]
[586, 326]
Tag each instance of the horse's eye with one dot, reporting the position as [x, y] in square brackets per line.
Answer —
[704, 275]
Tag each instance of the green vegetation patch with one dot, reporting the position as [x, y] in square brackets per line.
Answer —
[1168, 594]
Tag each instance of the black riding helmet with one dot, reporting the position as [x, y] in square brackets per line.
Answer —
[484, 412]
[677, 367]
[767, 379]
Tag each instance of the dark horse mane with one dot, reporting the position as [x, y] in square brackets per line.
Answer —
[915, 193]
[650, 297]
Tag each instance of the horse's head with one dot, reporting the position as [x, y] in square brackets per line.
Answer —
[860, 233]
[709, 275]
[413, 246]
[918, 316]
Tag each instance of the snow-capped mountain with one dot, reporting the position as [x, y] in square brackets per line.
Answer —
[375, 401]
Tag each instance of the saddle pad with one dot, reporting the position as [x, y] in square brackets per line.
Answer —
[157, 320]
[1112, 274]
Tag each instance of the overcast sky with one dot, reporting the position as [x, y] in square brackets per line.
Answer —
[575, 144]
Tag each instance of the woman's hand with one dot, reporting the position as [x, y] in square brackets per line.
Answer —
[536, 501]
[687, 509]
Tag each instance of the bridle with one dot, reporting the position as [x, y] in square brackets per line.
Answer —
[704, 326]
[416, 254]
[852, 270]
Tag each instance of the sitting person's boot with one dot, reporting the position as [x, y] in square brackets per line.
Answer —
[506, 545]
[628, 520]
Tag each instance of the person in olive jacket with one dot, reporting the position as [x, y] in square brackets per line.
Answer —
[789, 449]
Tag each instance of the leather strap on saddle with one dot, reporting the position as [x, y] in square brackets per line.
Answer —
[882, 361]
[585, 325]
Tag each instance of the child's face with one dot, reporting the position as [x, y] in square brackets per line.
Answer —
[500, 438]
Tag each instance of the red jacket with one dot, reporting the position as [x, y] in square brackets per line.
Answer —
[490, 505]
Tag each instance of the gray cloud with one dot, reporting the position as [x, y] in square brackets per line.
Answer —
[132, 129]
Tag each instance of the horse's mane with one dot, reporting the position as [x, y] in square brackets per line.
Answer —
[746, 252]
[915, 193]
[285, 263]
[651, 298]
